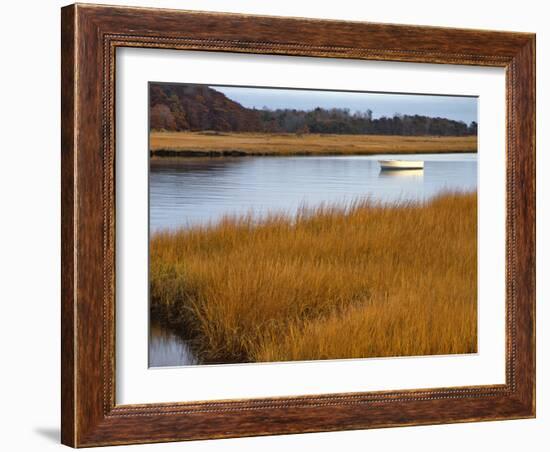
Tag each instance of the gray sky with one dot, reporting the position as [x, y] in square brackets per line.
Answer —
[451, 107]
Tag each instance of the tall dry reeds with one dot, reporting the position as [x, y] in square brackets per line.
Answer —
[365, 280]
[215, 143]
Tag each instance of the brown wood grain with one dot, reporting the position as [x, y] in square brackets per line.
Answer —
[90, 36]
[67, 226]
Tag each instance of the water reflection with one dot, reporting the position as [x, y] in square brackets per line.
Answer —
[168, 349]
[190, 191]
[403, 174]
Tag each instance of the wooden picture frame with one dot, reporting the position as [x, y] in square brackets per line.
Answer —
[90, 36]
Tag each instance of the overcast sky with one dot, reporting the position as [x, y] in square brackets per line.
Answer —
[451, 107]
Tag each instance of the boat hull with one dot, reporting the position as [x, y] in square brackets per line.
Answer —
[401, 164]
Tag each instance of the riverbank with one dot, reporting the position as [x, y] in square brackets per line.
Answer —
[205, 144]
[366, 281]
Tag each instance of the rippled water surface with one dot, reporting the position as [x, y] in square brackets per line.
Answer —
[168, 349]
[190, 191]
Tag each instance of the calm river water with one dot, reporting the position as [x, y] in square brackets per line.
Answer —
[189, 191]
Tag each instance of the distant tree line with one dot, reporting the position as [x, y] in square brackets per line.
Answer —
[343, 121]
[199, 108]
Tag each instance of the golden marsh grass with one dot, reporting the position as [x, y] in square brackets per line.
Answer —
[212, 143]
[365, 280]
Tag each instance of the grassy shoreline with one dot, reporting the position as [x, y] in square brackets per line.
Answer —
[212, 144]
[368, 280]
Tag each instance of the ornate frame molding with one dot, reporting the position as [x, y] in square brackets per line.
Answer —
[90, 37]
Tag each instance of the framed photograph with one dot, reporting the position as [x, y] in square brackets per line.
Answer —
[282, 225]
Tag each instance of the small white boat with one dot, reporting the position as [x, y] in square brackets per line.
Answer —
[401, 164]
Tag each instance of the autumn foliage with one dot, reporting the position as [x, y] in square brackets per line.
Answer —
[180, 107]
[198, 107]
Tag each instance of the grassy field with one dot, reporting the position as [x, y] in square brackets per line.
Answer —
[214, 143]
[365, 280]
